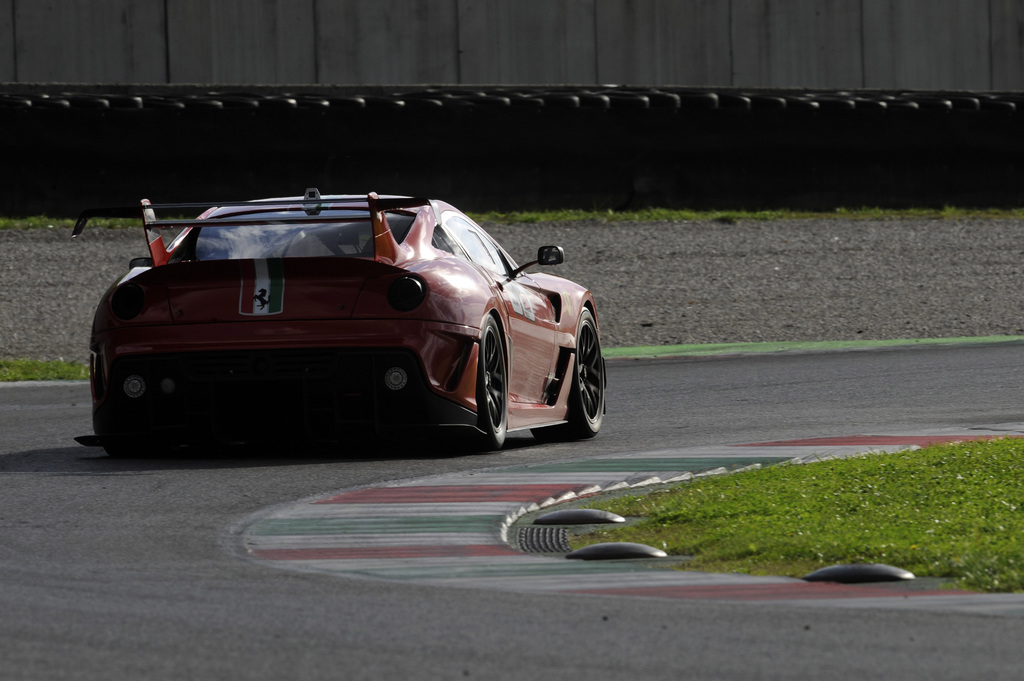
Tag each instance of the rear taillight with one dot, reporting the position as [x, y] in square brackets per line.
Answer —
[128, 301]
[406, 293]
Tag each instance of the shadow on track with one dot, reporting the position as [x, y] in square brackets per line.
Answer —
[79, 460]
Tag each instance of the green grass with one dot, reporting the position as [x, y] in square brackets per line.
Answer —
[38, 370]
[952, 511]
[44, 222]
[641, 215]
[765, 347]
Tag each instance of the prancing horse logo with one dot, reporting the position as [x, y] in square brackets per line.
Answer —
[262, 298]
[262, 286]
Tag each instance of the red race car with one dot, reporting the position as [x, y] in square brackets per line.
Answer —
[327, 318]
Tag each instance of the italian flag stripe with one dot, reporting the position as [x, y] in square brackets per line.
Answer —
[262, 291]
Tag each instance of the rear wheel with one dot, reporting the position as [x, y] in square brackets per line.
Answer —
[586, 392]
[491, 388]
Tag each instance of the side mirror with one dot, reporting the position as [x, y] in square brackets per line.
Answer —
[550, 255]
[140, 262]
[546, 255]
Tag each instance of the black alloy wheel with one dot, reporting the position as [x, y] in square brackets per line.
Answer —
[492, 388]
[586, 396]
[590, 380]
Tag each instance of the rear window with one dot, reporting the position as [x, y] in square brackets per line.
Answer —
[318, 240]
[350, 238]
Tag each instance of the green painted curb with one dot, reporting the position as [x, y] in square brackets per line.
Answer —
[713, 349]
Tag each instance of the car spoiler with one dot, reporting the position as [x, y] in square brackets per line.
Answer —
[307, 209]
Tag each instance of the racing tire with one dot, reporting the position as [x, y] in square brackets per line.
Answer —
[491, 388]
[587, 390]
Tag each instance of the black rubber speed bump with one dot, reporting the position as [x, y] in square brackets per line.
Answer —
[616, 551]
[859, 573]
[578, 516]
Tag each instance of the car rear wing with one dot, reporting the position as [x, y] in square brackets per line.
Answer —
[306, 210]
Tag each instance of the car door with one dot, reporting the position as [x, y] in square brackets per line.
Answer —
[532, 318]
[530, 313]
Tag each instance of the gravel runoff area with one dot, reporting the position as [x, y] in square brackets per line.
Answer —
[655, 283]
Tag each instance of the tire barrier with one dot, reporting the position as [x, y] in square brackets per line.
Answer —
[505, 148]
[567, 98]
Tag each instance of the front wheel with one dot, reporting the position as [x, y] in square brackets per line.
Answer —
[586, 392]
[491, 388]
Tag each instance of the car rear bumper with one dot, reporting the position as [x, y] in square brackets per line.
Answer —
[257, 396]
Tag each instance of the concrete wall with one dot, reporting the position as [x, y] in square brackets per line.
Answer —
[78, 41]
[817, 43]
[256, 41]
[928, 44]
[873, 44]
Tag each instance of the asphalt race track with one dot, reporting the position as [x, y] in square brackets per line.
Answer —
[135, 569]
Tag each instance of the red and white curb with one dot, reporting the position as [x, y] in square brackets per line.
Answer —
[453, 530]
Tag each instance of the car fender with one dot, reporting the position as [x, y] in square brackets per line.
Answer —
[572, 298]
[457, 292]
